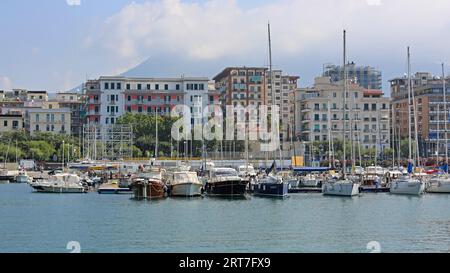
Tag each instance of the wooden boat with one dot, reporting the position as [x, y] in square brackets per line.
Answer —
[149, 184]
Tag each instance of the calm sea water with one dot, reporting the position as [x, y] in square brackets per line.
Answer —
[34, 222]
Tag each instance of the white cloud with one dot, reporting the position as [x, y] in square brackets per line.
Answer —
[5, 83]
[222, 29]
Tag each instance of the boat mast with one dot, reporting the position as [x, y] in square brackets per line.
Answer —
[393, 136]
[437, 138]
[344, 165]
[273, 95]
[409, 106]
[445, 113]
[329, 135]
[156, 143]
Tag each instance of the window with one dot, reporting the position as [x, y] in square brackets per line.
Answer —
[113, 86]
[119, 85]
[63, 128]
[374, 107]
[128, 86]
[63, 118]
[113, 98]
[5, 123]
[37, 117]
[107, 121]
[140, 109]
[177, 87]
[129, 108]
[139, 86]
[148, 87]
[166, 87]
[37, 127]
[202, 86]
[366, 107]
[106, 85]
[149, 98]
[156, 86]
[129, 98]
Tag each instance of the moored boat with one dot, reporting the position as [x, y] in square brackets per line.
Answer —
[185, 183]
[271, 186]
[149, 184]
[60, 183]
[407, 185]
[341, 188]
[225, 182]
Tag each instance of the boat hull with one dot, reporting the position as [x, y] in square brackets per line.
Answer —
[271, 189]
[407, 188]
[22, 179]
[56, 189]
[149, 190]
[187, 189]
[227, 188]
[340, 189]
[439, 187]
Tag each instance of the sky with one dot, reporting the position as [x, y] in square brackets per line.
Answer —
[55, 45]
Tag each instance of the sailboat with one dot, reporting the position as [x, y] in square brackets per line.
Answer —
[441, 183]
[272, 185]
[344, 186]
[408, 184]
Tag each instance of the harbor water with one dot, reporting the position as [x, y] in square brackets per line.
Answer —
[35, 222]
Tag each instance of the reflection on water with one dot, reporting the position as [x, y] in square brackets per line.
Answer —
[301, 223]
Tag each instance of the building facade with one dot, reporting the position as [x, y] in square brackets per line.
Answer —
[429, 107]
[108, 98]
[54, 120]
[366, 76]
[319, 114]
[11, 122]
[252, 86]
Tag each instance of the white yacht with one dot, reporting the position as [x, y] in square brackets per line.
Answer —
[23, 177]
[185, 183]
[60, 183]
[407, 185]
[440, 184]
[246, 171]
[340, 188]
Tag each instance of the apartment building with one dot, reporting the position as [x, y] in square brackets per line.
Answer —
[365, 76]
[430, 110]
[10, 122]
[76, 103]
[252, 86]
[319, 112]
[108, 98]
[50, 120]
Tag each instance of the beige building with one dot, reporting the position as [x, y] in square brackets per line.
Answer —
[37, 96]
[11, 122]
[55, 120]
[319, 114]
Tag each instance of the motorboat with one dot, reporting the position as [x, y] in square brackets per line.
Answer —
[246, 171]
[225, 182]
[148, 184]
[184, 183]
[22, 177]
[60, 183]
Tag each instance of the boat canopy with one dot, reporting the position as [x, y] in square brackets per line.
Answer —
[310, 169]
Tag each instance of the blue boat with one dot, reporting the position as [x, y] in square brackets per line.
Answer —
[271, 186]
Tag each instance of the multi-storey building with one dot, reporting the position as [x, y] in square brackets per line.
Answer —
[49, 120]
[366, 76]
[11, 122]
[284, 89]
[320, 114]
[252, 86]
[429, 107]
[76, 103]
[108, 98]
